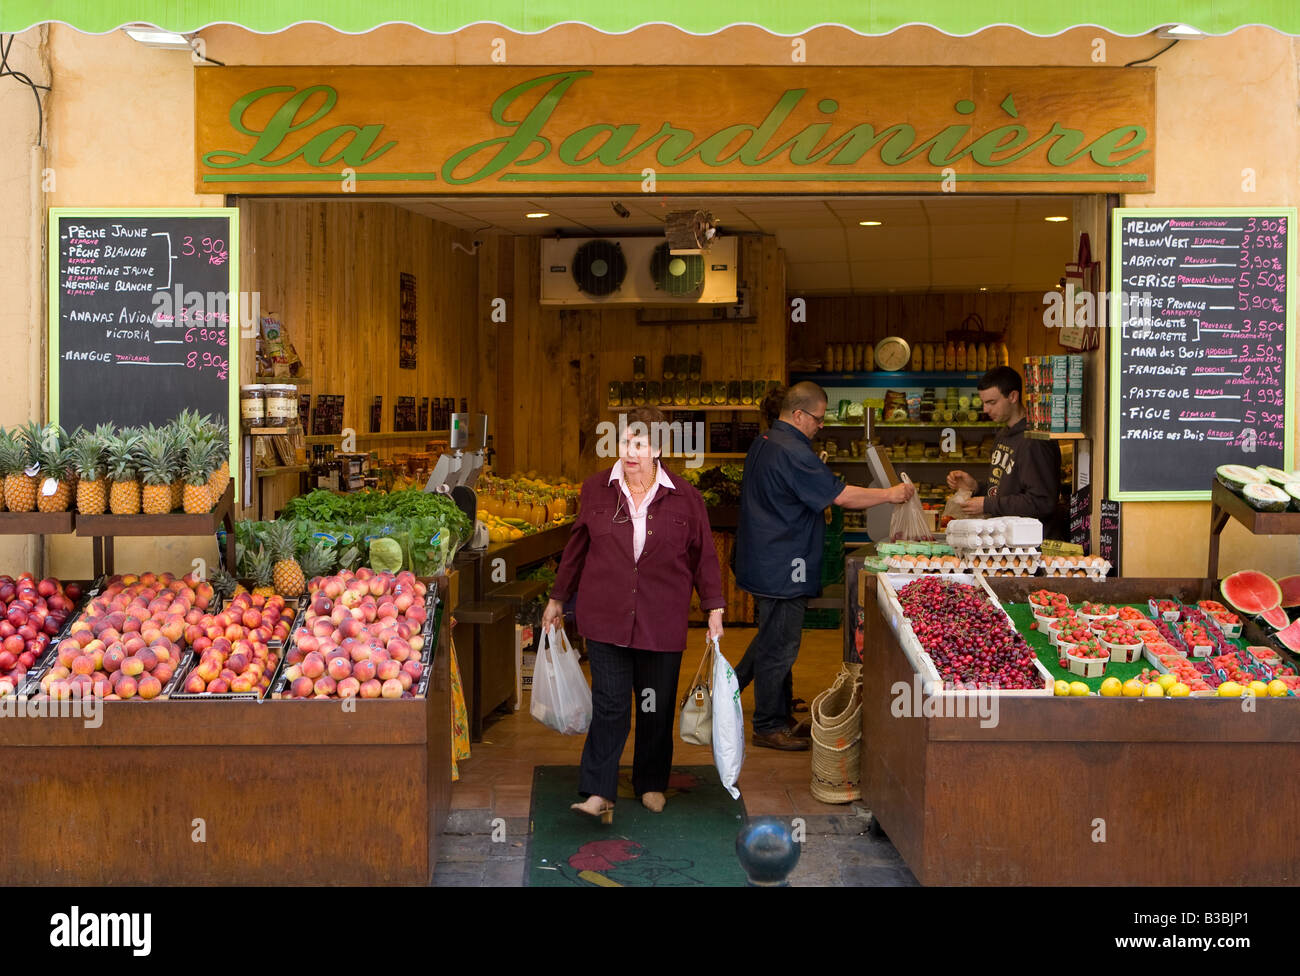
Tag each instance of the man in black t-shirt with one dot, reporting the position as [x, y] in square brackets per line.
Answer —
[785, 491]
[1026, 474]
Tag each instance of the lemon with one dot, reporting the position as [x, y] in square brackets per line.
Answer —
[1166, 680]
[1179, 690]
[1132, 688]
[1276, 689]
[1079, 689]
[1154, 690]
[1062, 687]
[1259, 688]
[1111, 687]
[1230, 689]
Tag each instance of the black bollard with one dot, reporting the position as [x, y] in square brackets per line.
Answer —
[767, 852]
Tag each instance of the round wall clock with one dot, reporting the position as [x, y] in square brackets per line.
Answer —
[892, 354]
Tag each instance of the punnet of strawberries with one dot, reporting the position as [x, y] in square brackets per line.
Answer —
[1048, 598]
[1168, 606]
[1131, 613]
[1098, 609]
[1114, 632]
[970, 640]
[1088, 648]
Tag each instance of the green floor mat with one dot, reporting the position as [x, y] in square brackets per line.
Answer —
[692, 843]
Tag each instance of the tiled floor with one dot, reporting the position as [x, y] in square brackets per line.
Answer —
[496, 782]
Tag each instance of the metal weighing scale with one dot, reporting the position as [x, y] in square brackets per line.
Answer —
[457, 471]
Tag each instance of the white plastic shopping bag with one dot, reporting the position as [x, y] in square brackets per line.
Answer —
[728, 723]
[561, 698]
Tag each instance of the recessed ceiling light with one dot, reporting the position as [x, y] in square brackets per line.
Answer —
[1179, 31]
[869, 223]
[536, 215]
[1055, 220]
[153, 37]
[982, 288]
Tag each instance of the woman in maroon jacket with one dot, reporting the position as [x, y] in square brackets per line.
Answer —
[641, 543]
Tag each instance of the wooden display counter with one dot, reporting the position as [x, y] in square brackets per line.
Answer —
[1069, 791]
[284, 792]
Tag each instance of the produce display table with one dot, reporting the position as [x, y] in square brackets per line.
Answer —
[1225, 504]
[1183, 791]
[102, 528]
[283, 792]
[35, 523]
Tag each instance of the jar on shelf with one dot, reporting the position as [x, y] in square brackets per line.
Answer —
[281, 404]
[252, 405]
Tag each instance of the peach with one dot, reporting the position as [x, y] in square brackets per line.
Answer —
[164, 671]
[339, 614]
[379, 655]
[371, 689]
[339, 668]
[69, 651]
[351, 628]
[417, 643]
[399, 649]
[302, 688]
[414, 669]
[368, 614]
[227, 675]
[406, 680]
[386, 611]
[149, 687]
[162, 654]
[388, 670]
[364, 670]
[238, 662]
[219, 687]
[126, 687]
[195, 685]
[133, 666]
[308, 642]
[378, 585]
[325, 685]
[392, 688]
[83, 664]
[313, 665]
[209, 668]
[349, 688]
[403, 602]
[84, 637]
[148, 658]
[242, 684]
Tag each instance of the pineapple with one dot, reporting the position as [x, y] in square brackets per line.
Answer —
[124, 496]
[287, 575]
[157, 465]
[88, 462]
[55, 460]
[224, 585]
[259, 564]
[317, 561]
[180, 443]
[199, 465]
[221, 444]
[19, 487]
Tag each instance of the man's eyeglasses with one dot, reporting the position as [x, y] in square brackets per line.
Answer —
[820, 419]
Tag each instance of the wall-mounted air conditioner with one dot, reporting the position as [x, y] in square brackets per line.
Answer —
[636, 271]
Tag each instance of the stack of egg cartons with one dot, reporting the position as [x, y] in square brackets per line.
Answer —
[1005, 546]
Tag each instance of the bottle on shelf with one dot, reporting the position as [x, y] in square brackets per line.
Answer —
[917, 361]
[982, 357]
[960, 353]
[950, 356]
[868, 357]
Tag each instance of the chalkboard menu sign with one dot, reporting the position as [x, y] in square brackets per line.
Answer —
[1202, 347]
[1108, 537]
[1081, 518]
[144, 316]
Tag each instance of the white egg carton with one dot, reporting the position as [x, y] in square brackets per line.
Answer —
[1006, 530]
[1091, 567]
[1003, 564]
[924, 564]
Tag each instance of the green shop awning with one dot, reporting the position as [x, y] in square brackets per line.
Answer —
[872, 17]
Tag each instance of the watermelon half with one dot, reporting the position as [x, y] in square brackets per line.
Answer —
[1251, 592]
[1277, 618]
[1290, 586]
[1290, 637]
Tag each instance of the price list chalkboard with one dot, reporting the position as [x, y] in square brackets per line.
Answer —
[144, 305]
[1202, 343]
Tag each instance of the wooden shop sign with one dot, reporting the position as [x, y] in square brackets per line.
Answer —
[531, 130]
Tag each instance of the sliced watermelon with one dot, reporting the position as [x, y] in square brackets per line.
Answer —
[1289, 637]
[1290, 590]
[1277, 618]
[1251, 592]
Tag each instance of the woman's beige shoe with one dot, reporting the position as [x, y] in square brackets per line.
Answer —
[597, 806]
[654, 802]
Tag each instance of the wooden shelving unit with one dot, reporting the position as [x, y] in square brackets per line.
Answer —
[1045, 435]
[103, 528]
[36, 523]
[680, 408]
[401, 435]
[295, 380]
[1224, 504]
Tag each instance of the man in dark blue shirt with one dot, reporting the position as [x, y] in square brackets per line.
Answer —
[786, 489]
